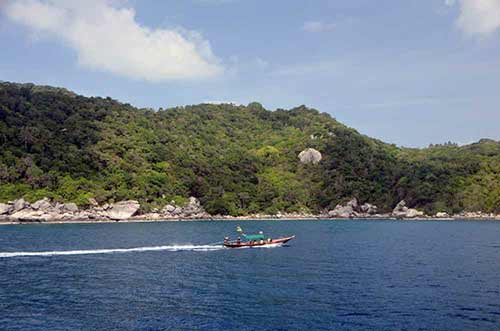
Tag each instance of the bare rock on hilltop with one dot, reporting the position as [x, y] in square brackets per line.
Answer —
[310, 155]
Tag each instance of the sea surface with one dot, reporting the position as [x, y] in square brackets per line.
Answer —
[336, 275]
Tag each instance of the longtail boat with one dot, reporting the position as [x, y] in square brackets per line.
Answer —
[254, 240]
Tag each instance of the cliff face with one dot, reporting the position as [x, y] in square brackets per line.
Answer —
[235, 159]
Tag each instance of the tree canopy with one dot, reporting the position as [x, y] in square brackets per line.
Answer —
[235, 159]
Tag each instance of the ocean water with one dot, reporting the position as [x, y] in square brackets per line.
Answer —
[336, 275]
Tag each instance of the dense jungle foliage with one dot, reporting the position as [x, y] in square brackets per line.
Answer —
[236, 159]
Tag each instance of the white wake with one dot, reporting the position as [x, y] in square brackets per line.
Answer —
[173, 248]
[263, 246]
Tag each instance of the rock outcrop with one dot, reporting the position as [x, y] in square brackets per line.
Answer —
[348, 210]
[369, 209]
[5, 208]
[192, 209]
[123, 210]
[442, 214]
[352, 209]
[310, 155]
[70, 207]
[401, 211]
[43, 204]
[20, 204]
[46, 210]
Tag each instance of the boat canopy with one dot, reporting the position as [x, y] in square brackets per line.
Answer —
[254, 237]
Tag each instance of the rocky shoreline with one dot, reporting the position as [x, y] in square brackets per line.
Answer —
[47, 211]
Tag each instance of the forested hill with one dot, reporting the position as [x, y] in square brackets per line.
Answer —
[236, 159]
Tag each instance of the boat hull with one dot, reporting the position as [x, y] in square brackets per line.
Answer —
[258, 243]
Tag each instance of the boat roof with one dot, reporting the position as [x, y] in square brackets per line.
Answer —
[255, 237]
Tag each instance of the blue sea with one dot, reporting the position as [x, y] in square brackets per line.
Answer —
[336, 275]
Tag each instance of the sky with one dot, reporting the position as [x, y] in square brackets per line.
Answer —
[408, 72]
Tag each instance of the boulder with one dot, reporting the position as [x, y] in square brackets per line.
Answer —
[194, 209]
[5, 208]
[27, 215]
[310, 155]
[442, 214]
[123, 209]
[193, 202]
[70, 207]
[400, 207]
[349, 210]
[412, 213]
[353, 203]
[20, 204]
[369, 209]
[168, 209]
[43, 204]
[52, 216]
[341, 211]
[401, 211]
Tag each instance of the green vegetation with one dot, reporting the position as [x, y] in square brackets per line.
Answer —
[235, 159]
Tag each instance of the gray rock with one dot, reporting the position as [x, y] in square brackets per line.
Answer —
[70, 207]
[401, 207]
[369, 209]
[401, 211]
[123, 210]
[20, 204]
[342, 211]
[193, 202]
[168, 209]
[353, 203]
[43, 204]
[349, 210]
[193, 209]
[5, 208]
[52, 216]
[310, 155]
[412, 213]
[442, 214]
[27, 215]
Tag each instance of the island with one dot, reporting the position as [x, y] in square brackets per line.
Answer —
[66, 158]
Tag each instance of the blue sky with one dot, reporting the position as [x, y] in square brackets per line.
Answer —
[408, 72]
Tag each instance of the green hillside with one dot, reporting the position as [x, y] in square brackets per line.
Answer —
[236, 159]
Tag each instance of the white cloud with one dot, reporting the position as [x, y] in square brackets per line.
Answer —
[318, 26]
[106, 37]
[478, 17]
